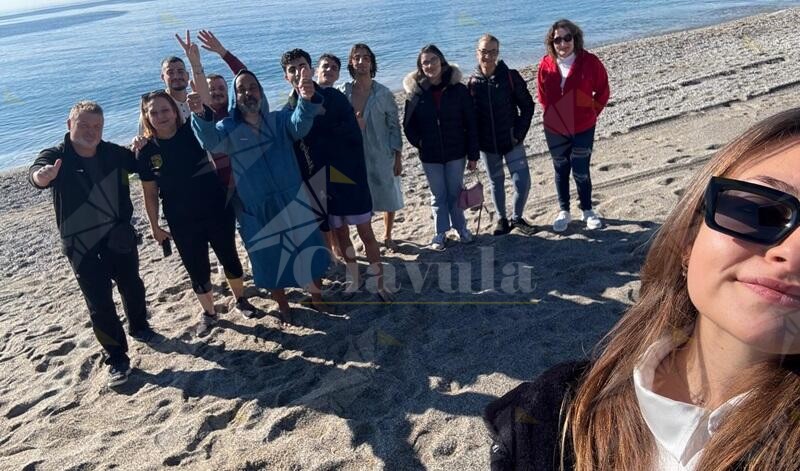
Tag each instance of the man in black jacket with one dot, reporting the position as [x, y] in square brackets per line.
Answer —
[504, 109]
[91, 198]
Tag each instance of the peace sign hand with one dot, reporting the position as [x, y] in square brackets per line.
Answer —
[189, 48]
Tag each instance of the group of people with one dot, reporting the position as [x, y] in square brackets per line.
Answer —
[701, 372]
[296, 179]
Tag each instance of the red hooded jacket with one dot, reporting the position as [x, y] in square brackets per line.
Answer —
[585, 94]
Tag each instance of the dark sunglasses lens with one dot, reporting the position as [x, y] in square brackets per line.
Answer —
[560, 39]
[752, 215]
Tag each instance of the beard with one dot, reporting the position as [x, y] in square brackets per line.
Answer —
[250, 105]
[178, 88]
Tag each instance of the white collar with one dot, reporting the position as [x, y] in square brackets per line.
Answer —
[567, 60]
[681, 429]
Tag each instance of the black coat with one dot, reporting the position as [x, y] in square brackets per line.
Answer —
[335, 145]
[525, 424]
[444, 134]
[504, 108]
[85, 212]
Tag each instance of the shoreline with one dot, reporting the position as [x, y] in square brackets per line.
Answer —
[528, 70]
[401, 386]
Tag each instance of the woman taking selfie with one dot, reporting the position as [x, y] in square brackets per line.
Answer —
[440, 122]
[573, 89]
[702, 372]
[173, 165]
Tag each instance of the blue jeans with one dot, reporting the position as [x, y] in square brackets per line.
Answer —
[445, 182]
[572, 153]
[517, 163]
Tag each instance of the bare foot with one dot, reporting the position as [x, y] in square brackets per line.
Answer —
[285, 314]
[391, 245]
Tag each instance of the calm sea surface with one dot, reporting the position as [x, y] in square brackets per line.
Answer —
[109, 51]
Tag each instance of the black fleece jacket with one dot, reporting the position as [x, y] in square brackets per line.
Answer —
[80, 204]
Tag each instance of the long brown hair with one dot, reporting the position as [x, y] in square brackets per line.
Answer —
[147, 127]
[574, 30]
[603, 421]
[430, 49]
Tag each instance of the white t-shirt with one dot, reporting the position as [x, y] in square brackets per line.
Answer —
[681, 430]
[184, 107]
[563, 66]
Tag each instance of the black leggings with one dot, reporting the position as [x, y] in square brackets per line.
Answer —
[192, 240]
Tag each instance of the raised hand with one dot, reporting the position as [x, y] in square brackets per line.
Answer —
[195, 102]
[47, 174]
[189, 48]
[211, 43]
[306, 85]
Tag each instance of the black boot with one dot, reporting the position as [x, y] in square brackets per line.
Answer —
[502, 227]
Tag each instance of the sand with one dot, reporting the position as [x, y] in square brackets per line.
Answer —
[379, 387]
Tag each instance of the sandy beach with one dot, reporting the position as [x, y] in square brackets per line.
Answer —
[399, 386]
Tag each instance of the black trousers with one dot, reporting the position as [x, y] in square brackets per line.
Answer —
[192, 239]
[94, 271]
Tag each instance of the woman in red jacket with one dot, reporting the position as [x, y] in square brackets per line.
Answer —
[573, 90]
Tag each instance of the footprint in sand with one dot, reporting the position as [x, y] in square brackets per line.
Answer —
[607, 167]
[680, 159]
[24, 407]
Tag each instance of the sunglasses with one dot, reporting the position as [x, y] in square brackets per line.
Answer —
[559, 39]
[749, 211]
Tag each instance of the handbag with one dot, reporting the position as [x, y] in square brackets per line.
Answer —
[471, 196]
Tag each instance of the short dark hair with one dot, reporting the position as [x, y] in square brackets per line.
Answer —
[331, 58]
[574, 30]
[211, 77]
[373, 70]
[430, 49]
[289, 56]
[170, 59]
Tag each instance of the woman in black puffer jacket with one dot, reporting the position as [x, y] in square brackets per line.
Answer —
[440, 121]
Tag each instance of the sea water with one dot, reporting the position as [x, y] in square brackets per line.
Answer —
[54, 53]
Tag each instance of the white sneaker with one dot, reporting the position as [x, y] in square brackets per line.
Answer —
[592, 220]
[562, 221]
[439, 241]
[465, 236]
